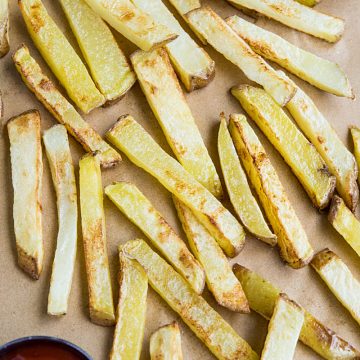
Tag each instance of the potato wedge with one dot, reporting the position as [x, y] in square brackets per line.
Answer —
[191, 62]
[241, 197]
[61, 109]
[163, 92]
[337, 157]
[302, 157]
[60, 56]
[219, 35]
[93, 226]
[339, 279]
[262, 296]
[202, 319]
[131, 311]
[324, 74]
[27, 170]
[62, 172]
[138, 209]
[131, 138]
[4, 28]
[292, 239]
[297, 16]
[284, 330]
[133, 23]
[165, 343]
[107, 63]
[355, 134]
[220, 279]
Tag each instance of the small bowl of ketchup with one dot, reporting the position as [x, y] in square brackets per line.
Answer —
[42, 348]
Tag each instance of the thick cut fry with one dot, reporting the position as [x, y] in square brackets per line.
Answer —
[26, 170]
[165, 343]
[324, 74]
[131, 311]
[219, 35]
[129, 199]
[337, 157]
[220, 279]
[262, 296]
[61, 109]
[163, 92]
[62, 171]
[131, 138]
[297, 16]
[60, 56]
[355, 134]
[202, 319]
[339, 279]
[302, 157]
[293, 242]
[101, 304]
[133, 23]
[4, 28]
[192, 64]
[284, 330]
[241, 197]
[107, 63]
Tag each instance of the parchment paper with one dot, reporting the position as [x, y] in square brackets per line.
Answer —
[23, 301]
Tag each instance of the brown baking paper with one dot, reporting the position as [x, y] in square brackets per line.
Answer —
[23, 301]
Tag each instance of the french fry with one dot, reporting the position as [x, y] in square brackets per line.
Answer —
[60, 56]
[133, 23]
[163, 92]
[292, 239]
[240, 194]
[302, 157]
[339, 279]
[202, 319]
[107, 63]
[4, 28]
[355, 134]
[62, 171]
[132, 202]
[192, 64]
[61, 109]
[324, 74]
[131, 311]
[165, 343]
[131, 138]
[262, 296]
[337, 157]
[297, 16]
[101, 304]
[310, 3]
[220, 279]
[26, 170]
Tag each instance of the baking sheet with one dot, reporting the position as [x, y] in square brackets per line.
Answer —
[23, 301]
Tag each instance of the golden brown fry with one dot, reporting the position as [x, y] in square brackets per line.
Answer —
[355, 133]
[4, 28]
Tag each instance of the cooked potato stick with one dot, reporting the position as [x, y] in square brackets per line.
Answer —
[302, 157]
[324, 74]
[339, 279]
[292, 240]
[310, 3]
[219, 35]
[26, 170]
[192, 64]
[240, 194]
[62, 172]
[60, 56]
[262, 296]
[220, 279]
[337, 157]
[61, 109]
[107, 63]
[355, 134]
[165, 343]
[297, 16]
[202, 319]
[101, 304]
[4, 28]
[130, 201]
[131, 311]
[163, 92]
[133, 23]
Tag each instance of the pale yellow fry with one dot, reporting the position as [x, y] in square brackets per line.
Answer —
[355, 134]
[4, 28]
